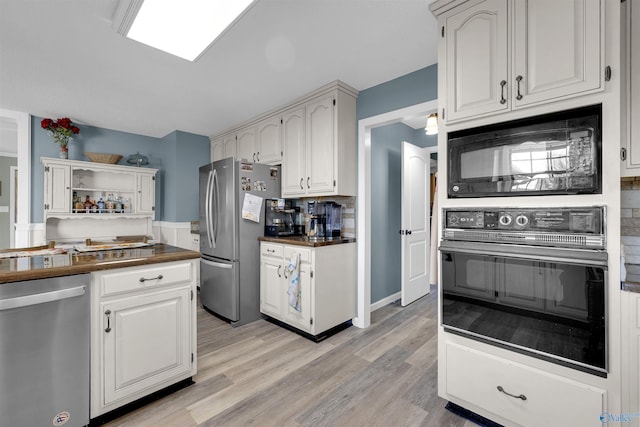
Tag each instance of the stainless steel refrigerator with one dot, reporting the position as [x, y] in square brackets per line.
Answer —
[232, 203]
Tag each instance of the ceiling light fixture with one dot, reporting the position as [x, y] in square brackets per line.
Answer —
[432, 124]
[183, 28]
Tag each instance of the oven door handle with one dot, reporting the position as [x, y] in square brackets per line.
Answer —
[538, 253]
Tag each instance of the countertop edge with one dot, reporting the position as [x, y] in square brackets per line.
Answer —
[302, 241]
[69, 270]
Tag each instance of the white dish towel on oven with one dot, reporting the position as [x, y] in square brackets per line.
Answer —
[294, 284]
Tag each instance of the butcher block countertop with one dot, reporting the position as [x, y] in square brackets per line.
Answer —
[74, 262]
[304, 241]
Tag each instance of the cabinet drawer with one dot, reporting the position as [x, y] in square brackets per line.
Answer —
[550, 400]
[136, 278]
[269, 249]
[305, 254]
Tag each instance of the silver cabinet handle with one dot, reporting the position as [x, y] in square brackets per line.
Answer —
[308, 182]
[285, 274]
[502, 390]
[503, 83]
[518, 80]
[258, 156]
[279, 267]
[108, 314]
[301, 187]
[158, 277]
[254, 157]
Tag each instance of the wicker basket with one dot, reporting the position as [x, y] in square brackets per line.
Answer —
[103, 157]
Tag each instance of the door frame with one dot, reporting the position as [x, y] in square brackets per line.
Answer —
[363, 226]
[13, 201]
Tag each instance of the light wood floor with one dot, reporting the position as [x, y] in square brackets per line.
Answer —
[263, 375]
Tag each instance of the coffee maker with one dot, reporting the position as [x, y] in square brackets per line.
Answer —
[281, 218]
[333, 226]
[317, 219]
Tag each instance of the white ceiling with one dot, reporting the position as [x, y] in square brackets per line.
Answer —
[62, 58]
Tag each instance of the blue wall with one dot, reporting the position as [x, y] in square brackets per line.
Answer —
[414, 88]
[177, 156]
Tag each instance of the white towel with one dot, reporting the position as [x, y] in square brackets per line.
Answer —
[294, 284]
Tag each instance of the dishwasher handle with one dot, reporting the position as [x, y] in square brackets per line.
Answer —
[40, 298]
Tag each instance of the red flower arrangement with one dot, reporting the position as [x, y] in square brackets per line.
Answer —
[62, 130]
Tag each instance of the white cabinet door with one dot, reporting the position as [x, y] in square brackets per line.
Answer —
[299, 319]
[477, 60]
[229, 145]
[631, 153]
[268, 146]
[320, 145]
[146, 341]
[294, 154]
[557, 49]
[57, 187]
[146, 193]
[271, 271]
[245, 144]
[217, 149]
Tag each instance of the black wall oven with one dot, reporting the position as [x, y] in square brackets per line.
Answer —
[530, 280]
[558, 153]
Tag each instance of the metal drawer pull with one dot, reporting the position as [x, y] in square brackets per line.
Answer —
[301, 187]
[279, 267]
[502, 98]
[501, 390]
[108, 314]
[159, 277]
[518, 80]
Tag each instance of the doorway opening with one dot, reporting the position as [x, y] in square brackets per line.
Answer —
[364, 223]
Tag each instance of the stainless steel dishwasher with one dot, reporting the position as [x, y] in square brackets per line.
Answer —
[44, 352]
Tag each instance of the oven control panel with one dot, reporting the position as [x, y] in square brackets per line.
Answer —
[545, 226]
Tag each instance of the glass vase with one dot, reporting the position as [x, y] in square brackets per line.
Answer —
[64, 152]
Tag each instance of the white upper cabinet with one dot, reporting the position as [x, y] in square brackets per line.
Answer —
[57, 188]
[217, 149]
[557, 49]
[268, 141]
[320, 145]
[507, 54]
[631, 144]
[293, 148]
[477, 68]
[229, 144]
[245, 144]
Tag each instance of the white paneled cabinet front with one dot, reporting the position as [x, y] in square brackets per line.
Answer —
[327, 280]
[57, 188]
[630, 154]
[146, 185]
[294, 156]
[550, 50]
[320, 144]
[149, 341]
[142, 331]
[515, 394]
[268, 142]
[245, 144]
[217, 149]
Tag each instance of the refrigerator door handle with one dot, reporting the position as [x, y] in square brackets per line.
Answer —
[216, 264]
[216, 207]
[207, 209]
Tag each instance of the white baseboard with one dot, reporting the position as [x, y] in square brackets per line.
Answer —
[388, 300]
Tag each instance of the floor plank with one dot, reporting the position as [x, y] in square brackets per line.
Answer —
[264, 375]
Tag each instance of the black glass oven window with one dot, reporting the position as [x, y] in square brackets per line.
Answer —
[554, 308]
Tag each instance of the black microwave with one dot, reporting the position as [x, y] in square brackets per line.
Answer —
[558, 153]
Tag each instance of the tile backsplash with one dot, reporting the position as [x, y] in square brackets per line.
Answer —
[630, 206]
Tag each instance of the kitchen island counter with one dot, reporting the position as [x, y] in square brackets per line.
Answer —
[73, 262]
[304, 241]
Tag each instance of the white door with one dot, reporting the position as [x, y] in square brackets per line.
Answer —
[415, 222]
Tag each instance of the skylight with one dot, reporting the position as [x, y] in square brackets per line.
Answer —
[184, 28]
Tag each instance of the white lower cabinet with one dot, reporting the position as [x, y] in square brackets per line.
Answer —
[516, 394]
[142, 332]
[631, 358]
[327, 277]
